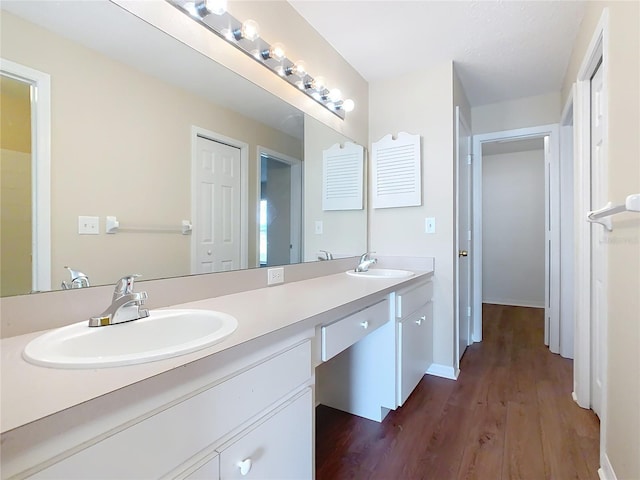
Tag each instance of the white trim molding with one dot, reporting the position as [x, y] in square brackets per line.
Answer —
[596, 55]
[582, 202]
[605, 472]
[443, 371]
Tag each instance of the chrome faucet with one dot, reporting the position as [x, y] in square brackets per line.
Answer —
[366, 260]
[78, 280]
[325, 255]
[125, 305]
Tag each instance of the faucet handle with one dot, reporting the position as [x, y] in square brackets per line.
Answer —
[124, 286]
[365, 256]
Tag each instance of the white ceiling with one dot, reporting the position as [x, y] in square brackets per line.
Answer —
[502, 49]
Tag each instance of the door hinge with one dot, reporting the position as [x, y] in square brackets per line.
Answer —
[468, 311]
[469, 158]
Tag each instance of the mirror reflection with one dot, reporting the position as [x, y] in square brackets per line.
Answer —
[147, 130]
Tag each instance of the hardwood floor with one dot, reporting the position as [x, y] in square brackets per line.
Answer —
[509, 415]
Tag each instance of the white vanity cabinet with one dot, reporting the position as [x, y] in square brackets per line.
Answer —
[378, 373]
[263, 412]
[414, 312]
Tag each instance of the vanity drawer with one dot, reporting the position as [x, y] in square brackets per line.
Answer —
[410, 299]
[340, 335]
[158, 444]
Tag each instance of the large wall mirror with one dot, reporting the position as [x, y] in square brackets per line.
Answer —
[145, 129]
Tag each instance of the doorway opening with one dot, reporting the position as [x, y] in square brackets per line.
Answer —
[26, 161]
[513, 221]
[550, 190]
[280, 209]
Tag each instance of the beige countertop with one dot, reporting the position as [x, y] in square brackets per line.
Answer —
[30, 392]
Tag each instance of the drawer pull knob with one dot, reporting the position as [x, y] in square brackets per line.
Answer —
[365, 324]
[421, 319]
[245, 466]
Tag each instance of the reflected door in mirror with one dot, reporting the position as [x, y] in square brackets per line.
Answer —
[218, 207]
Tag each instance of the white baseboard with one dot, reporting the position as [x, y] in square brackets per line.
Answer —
[443, 371]
[512, 303]
[605, 472]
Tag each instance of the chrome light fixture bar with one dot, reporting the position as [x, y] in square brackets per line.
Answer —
[245, 36]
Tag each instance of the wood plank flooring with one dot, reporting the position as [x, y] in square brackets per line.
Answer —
[509, 415]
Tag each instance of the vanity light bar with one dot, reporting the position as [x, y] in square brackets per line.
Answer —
[245, 37]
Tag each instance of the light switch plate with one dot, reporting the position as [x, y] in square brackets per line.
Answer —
[88, 225]
[430, 225]
[319, 227]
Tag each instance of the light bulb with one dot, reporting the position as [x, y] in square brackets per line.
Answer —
[335, 95]
[203, 8]
[318, 84]
[300, 69]
[275, 51]
[217, 7]
[348, 105]
[249, 30]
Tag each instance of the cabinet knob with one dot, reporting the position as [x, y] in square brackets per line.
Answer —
[365, 324]
[245, 466]
[421, 319]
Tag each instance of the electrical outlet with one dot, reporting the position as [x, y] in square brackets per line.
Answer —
[275, 276]
[319, 227]
[88, 225]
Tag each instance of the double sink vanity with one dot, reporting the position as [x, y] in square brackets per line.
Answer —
[238, 405]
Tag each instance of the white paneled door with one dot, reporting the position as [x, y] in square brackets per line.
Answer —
[218, 196]
[599, 197]
[463, 263]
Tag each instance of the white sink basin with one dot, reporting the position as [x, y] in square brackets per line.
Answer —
[163, 334]
[382, 273]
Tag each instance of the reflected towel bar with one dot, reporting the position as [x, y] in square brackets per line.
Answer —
[112, 225]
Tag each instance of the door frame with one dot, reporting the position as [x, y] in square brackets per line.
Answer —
[461, 119]
[596, 52]
[296, 192]
[244, 190]
[40, 168]
[567, 229]
[552, 216]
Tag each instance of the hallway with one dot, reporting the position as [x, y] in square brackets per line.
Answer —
[509, 416]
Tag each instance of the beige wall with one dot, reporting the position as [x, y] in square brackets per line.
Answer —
[519, 113]
[622, 442]
[422, 103]
[344, 231]
[121, 146]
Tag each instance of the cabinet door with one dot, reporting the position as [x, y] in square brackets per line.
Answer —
[279, 448]
[415, 352]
